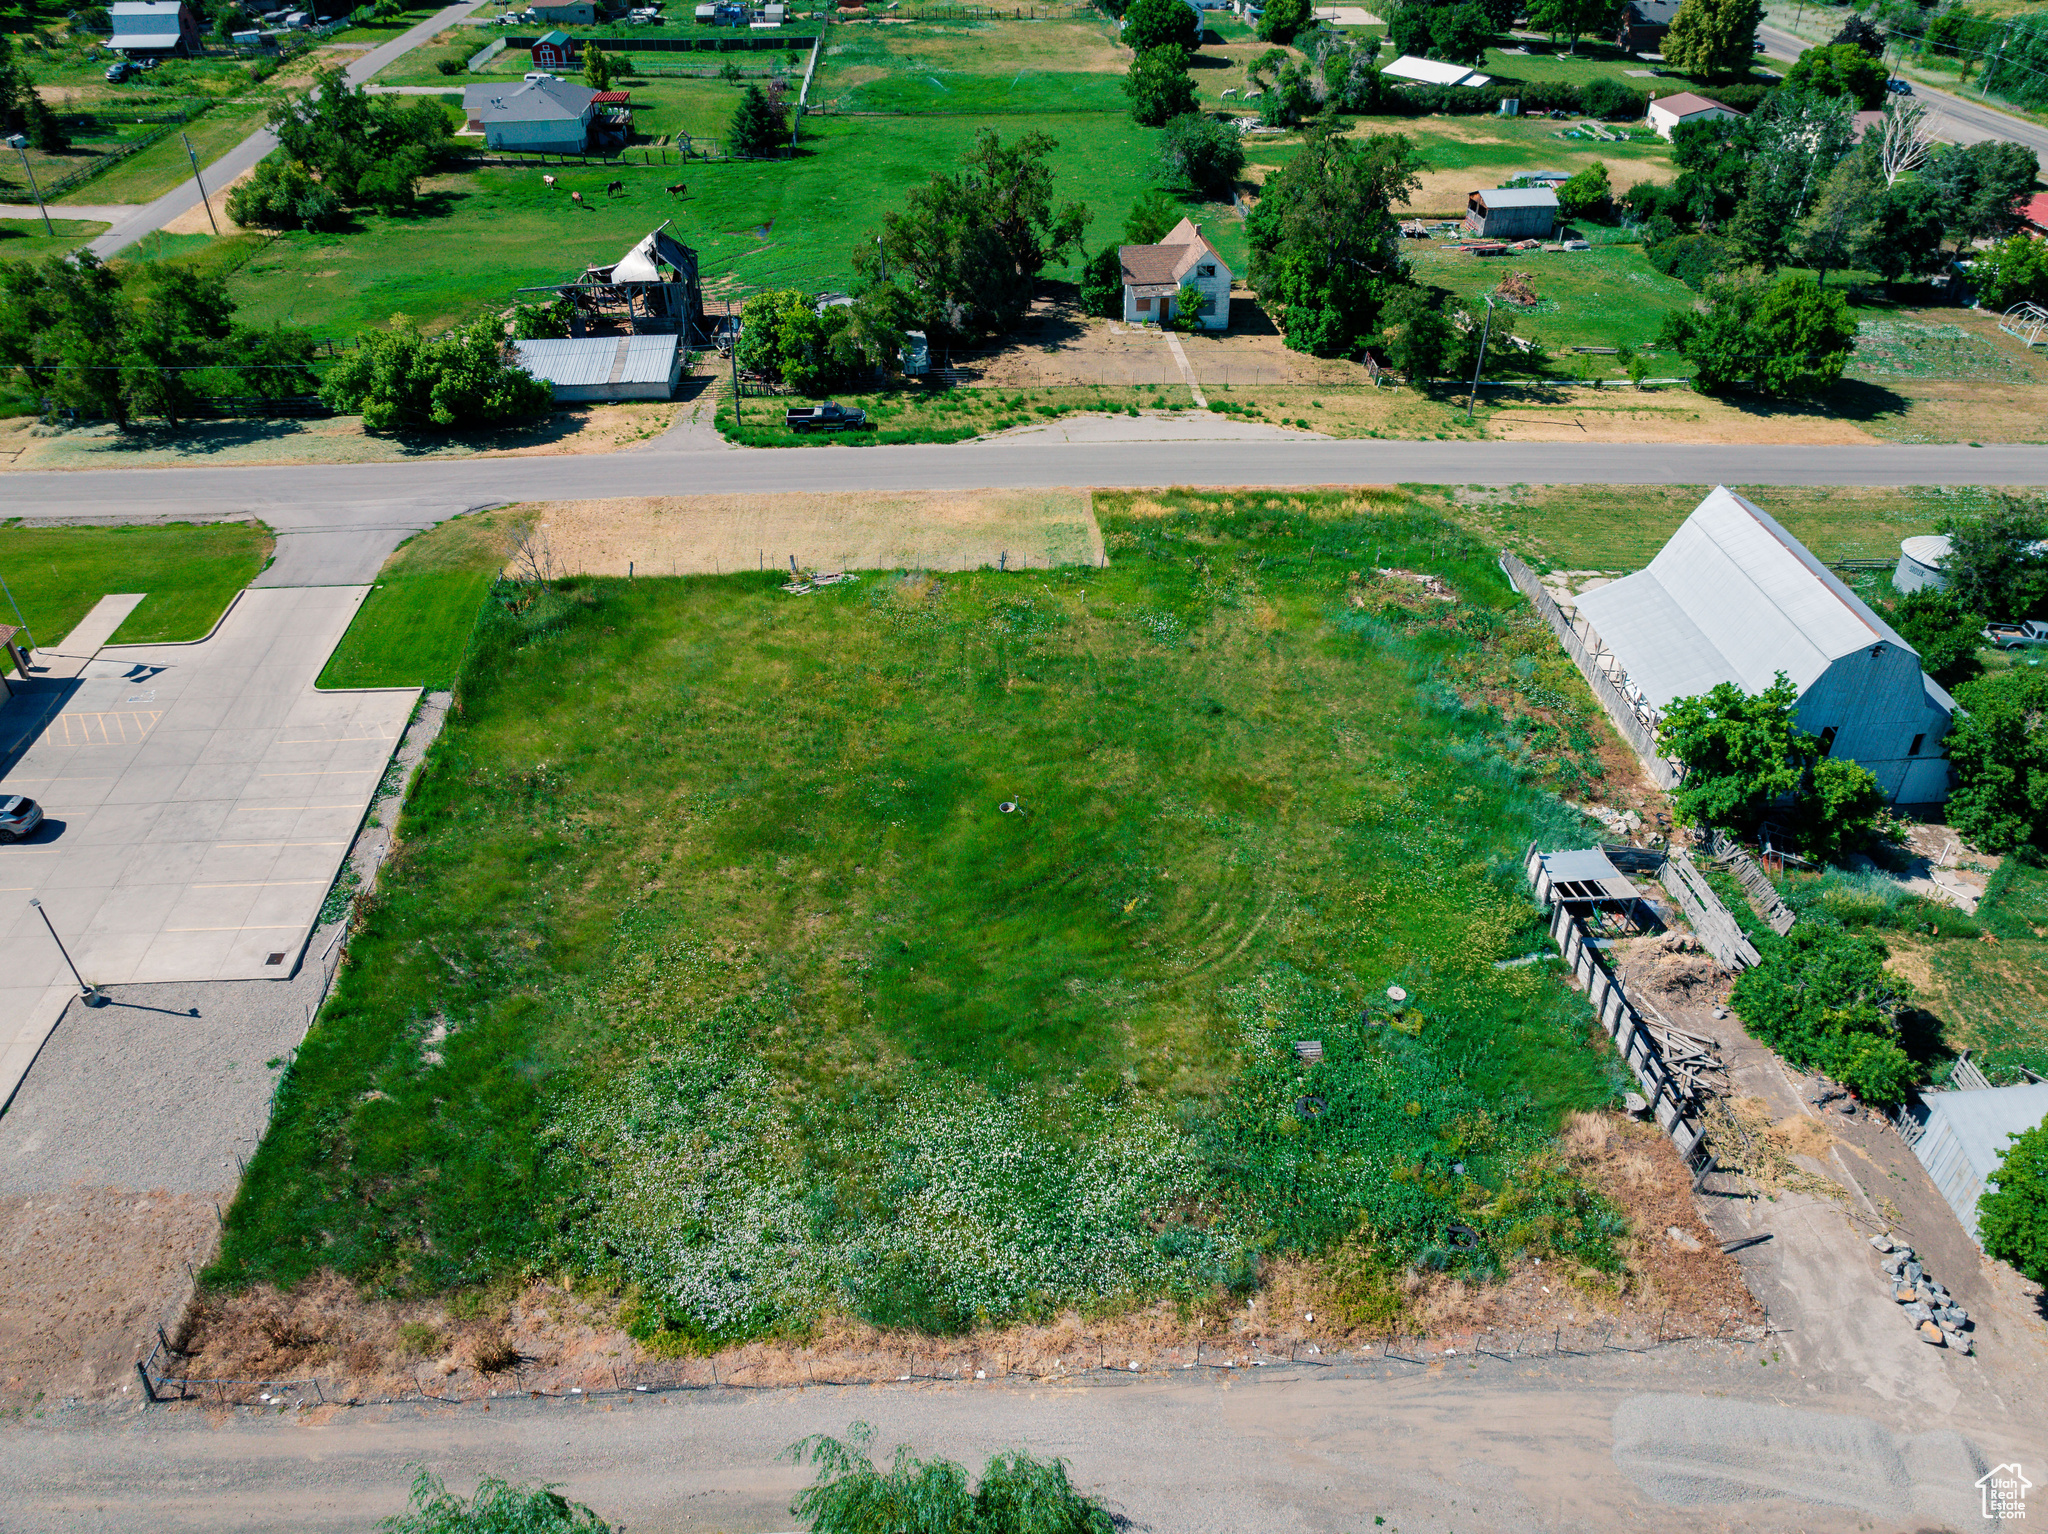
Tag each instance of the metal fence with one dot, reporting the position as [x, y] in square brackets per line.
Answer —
[1639, 732]
[166, 126]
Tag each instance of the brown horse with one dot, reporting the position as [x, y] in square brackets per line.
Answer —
[616, 186]
[678, 189]
[577, 198]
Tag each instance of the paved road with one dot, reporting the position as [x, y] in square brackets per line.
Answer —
[1955, 118]
[185, 195]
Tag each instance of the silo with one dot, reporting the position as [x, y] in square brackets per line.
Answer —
[1920, 561]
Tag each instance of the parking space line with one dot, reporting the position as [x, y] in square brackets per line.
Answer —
[287, 926]
[244, 809]
[260, 884]
[329, 772]
[279, 844]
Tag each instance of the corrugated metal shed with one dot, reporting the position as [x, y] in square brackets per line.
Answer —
[1964, 1134]
[1518, 197]
[605, 367]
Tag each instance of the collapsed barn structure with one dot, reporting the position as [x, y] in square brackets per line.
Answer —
[652, 290]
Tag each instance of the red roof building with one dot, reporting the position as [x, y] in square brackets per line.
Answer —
[2034, 215]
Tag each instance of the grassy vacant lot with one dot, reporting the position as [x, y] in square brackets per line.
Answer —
[414, 628]
[149, 173]
[190, 571]
[756, 224]
[1607, 296]
[935, 948]
[1993, 997]
[978, 67]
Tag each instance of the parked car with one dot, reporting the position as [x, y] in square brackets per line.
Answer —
[118, 71]
[18, 817]
[826, 417]
[1899, 87]
[2017, 636]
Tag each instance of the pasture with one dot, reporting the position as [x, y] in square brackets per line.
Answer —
[933, 948]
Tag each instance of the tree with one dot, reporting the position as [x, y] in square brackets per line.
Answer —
[1903, 238]
[1150, 24]
[1944, 629]
[1841, 69]
[1459, 34]
[1159, 85]
[782, 340]
[1823, 999]
[1572, 19]
[1982, 185]
[1186, 313]
[1202, 153]
[366, 150]
[969, 246]
[1861, 32]
[1151, 217]
[758, 127]
[1016, 1495]
[1839, 227]
[1419, 337]
[1102, 284]
[2012, 1218]
[1998, 751]
[1283, 19]
[1408, 27]
[45, 127]
[1587, 194]
[1789, 145]
[2011, 272]
[542, 322]
[1790, 338]
[1350, 74]
[1901, 142]
[866, 338]
[282, 194]
[1713, 169]
[597, 69]
[1997, 563]
[399, 381]
[1325, 247]
[497, 1508]
[1710, 38]
[179, 327]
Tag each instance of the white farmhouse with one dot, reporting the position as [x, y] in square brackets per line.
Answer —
[1155, 274]
[1733, 597]
[1667, 112]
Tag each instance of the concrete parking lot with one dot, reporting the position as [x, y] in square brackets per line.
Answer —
[200, 799]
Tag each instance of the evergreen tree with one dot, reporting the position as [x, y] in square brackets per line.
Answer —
[758, 129]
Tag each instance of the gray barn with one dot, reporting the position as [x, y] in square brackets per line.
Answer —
[606, 367]
[1518, 213]
[1733, 597]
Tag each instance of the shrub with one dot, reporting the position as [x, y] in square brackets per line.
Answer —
[2012, 1218]
[448, 65]
[1017, 1494]
[1102, 284]
[1201, 152]
[1998, 750]
[1612, 100]
[1587, 194]
[497, 1508]
[2015, 271]
[1823, 999]
[282, 194]
[399, 380]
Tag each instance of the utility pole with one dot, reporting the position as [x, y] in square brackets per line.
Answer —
[1485, 331]
[19, 144]
[735, 368]
[194, 158]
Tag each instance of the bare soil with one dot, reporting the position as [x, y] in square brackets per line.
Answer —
[194, 221]
[718, 534]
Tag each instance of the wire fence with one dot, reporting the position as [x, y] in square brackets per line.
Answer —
[166, 126]
[1100, 1360]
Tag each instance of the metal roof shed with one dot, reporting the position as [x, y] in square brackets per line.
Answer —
[606, 367]
[1963, 1136]
[1512, 213]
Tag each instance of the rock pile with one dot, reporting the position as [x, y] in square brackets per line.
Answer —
[1929, 1306]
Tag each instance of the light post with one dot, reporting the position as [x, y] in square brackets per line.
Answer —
[19, 144]
[89, 994]
[1486, 331]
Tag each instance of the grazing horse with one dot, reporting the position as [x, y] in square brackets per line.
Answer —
[548, 182]
[678, 189]
[616, 186]
[577, 198]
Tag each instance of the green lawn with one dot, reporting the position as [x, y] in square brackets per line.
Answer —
[414, 628]
[24, 239]
[190, 571]
[744, 987]
[1995, 996]
[988, 67]
[754, 224]
[149, 173]
[1609, 296]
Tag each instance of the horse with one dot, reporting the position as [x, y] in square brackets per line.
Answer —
[616, 186]
[678, 189]
[548, 182]
[577, 198]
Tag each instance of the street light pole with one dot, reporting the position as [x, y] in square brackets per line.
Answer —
[89, 994]
[1472, 403]
[194, 158]
[19, 144]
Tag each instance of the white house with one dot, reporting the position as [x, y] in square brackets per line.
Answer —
[1667, 112]
[542, 116]
[155, 28]
[1733, 597]
[1155, 274]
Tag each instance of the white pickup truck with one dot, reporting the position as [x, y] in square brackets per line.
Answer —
[2015, 636]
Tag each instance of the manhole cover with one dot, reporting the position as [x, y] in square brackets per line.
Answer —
[276, 958]
[1311, 1108]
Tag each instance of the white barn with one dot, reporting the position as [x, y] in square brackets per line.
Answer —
[1733, 597]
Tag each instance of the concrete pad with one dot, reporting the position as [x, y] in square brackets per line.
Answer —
[200, 799]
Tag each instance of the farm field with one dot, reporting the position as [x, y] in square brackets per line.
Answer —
[191, 572]
[1050, 871]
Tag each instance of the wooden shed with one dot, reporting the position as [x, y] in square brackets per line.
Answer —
[1519, 213]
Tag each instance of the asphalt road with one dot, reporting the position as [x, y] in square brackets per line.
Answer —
[1954, 118]
[153, 216]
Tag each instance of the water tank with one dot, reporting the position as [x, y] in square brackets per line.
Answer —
[1920, 561]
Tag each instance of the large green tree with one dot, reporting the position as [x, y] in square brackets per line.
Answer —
[1998, 750]
[1573, 19]
[1792, 337]
[1841, 69]
[1283, 19]
[399, 380]
[1982, 185]
[2011, 272]
[1159, 85]
[1822, 997]
[1711, 38]
[1200, 152]
[1325, 247]
[1150, 24]
[968, 246]
[1838, 227]
[367, 150]
[2012, 1218]
[283, 194]
[1997, 562]
[1789, 146]
[1944, 628]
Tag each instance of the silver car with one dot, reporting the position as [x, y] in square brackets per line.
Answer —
[18, 817]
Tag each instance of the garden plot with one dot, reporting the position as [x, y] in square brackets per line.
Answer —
[918, 948]
[1903, 348]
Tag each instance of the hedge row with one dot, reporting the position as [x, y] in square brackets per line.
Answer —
[1603, 98]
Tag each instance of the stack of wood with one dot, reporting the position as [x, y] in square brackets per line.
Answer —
[1517, 288]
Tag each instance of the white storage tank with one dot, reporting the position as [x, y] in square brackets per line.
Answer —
[1920, 562]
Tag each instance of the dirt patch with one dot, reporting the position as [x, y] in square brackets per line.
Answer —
[193, 220]
[718, 534]
[1676, 415]
[85, 1277]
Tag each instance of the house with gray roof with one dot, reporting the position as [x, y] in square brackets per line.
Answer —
[1734, 597]
[547, 115]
